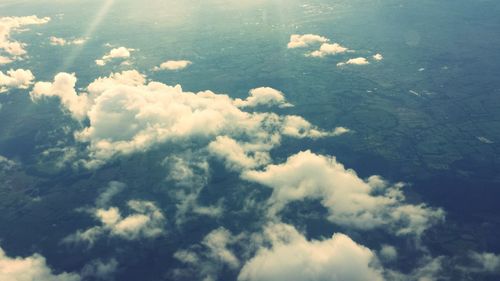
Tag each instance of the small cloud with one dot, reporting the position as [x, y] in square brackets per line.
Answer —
[388, 253]
[16, 79]
[378, 57]
[115, 54]
[173, 65]
[263, 96]
[328, 49]
[56, 41]
[5, 60]
[302, 41]
[355, 61]
[340, 131]
[485, 140]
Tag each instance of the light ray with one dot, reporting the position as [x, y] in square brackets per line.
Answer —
[103, 11]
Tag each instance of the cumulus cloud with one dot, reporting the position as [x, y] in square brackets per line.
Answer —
[291, 256]
[350, 200]
[120, 53]
[57, 41]
[145, 220]
[15, 79]
[355, 61]
[11, 47]
[63, 88]
[263, 96]
[236, 155]
[306, 40]
[327, 49]
[173, 65]
[32, 268]
[126, 114]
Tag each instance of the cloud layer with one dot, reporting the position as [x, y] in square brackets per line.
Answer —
[126, 114]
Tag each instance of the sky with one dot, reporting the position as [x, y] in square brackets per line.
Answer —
[245, 140]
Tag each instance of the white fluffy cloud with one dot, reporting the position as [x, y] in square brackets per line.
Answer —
[292, 257]
[56, 41]
[33, 268]
[263, 96]
[173, 65]
[350, 200]
[128, 114]
[63, 88]
[121, 53]
[17, 79]
[306, 40]
[8, 25]
[327, 49]
[355, 61]
[145, 220]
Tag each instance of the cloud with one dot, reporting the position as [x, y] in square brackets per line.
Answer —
[355, 61]
[327, 49]
[100, 270]
[113, 188]
[63, 88]
[190, 173]
[208, 258]
[484, 263]
[5, 60]
[56, 41]
[350, 200]
[378, 57]
[11, 47]
[145, 220]
[291, 256]
[116, 53]
[32, 268]
[388, 253]
[127, 114]
[236, 155]
[306, 40]
[15, 79]
[173, 65]
[263, 96]
[217, 242]
[7, 164]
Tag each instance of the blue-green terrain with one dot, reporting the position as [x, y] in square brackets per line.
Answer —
[261, 164]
